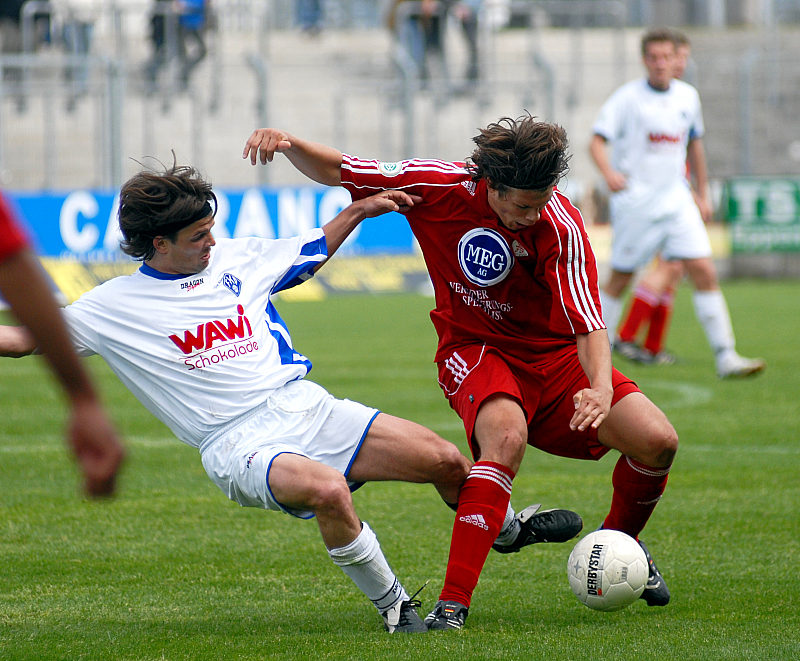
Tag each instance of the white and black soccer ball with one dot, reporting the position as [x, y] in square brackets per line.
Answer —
[607, 570]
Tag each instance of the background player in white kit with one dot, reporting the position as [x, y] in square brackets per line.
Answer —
[194, 335]
[653, 125]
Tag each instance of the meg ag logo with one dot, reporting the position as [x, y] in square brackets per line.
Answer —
[484, 256]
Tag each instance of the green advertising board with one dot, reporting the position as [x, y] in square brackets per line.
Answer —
[763, 214]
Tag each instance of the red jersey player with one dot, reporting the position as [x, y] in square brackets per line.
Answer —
[523, 353]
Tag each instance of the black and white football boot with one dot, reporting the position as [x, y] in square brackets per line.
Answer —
[656, 592]
[548, 526]
[446, 616]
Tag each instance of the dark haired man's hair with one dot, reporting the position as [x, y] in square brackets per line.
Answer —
[520, 153]
[657, 35]
[155, 204]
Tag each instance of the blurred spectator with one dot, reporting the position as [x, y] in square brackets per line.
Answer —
[10, 34]
[422, 31]
[309, 16]
[76, 33]
[178, 30]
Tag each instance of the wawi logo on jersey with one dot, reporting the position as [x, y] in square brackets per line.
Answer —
[214, 342]
[484, 256]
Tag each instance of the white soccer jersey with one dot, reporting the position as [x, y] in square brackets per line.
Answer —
[200, 350]
[649, 131]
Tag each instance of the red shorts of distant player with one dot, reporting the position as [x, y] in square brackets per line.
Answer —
[476, 372]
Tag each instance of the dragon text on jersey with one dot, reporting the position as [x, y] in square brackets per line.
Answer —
[484, 256]
[216, 341]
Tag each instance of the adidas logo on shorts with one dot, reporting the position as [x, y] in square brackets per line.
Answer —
[475, 520]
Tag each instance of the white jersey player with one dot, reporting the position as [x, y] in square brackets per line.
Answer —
[652, 125]
[194, 336]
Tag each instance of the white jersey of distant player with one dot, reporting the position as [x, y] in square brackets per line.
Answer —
[201, 350]
[649, 131]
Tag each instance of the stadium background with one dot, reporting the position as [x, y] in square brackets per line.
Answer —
[75, 124]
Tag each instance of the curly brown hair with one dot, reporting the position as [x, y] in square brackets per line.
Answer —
[520, 153]
[155, 204]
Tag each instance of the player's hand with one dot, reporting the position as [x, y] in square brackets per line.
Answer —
[263, 143]
[706, 208]
[591, 408]
[616, 181]
[96, 447]
[386, 201]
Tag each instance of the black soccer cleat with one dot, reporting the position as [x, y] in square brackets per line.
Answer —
[446, 616]
[403, 618]
[542, 527]
[656, 592]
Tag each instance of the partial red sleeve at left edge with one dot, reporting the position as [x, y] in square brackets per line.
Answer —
[12, 237]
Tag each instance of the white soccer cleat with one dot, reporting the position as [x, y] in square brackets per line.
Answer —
[733, 365]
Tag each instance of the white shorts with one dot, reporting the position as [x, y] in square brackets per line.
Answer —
[644, 226]
[299, 418]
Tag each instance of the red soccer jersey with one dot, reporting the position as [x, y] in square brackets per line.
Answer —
[527, 293]
[12, 238]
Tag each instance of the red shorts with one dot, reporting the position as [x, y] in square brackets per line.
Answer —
[544, 390]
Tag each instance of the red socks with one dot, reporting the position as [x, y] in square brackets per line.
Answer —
[659, 321]
[637, 490]
[648, 307]
[482, 506]
[642, 307]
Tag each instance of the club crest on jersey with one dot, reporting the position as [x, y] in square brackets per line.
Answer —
[484, 256]
[390, 169]
[231, 282]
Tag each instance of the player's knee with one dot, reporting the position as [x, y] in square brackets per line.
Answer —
[452, 466]
[331, 496]
[663, 446]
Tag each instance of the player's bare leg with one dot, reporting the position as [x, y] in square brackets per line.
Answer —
[398, 449]
[648, 443]
[301, 483]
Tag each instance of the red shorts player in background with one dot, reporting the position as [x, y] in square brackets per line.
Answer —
[523, 353]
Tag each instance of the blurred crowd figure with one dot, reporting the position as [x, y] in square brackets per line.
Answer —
[309, 16]
[177, 31]
[421, 27]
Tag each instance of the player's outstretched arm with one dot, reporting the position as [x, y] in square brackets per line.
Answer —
[91, 435]
[318, 162]
[338, 229]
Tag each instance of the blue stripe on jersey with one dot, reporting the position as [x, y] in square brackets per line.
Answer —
[287, 354]
[146, 269]
[303, 270]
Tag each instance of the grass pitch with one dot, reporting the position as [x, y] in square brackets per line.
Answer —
[171, 569]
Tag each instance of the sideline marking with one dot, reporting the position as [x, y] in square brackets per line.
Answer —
[679, 394]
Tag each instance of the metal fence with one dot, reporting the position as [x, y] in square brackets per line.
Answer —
[79, 106]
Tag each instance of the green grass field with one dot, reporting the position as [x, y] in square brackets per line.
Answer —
[171, 569]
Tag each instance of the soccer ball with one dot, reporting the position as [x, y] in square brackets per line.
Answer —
[607, 570]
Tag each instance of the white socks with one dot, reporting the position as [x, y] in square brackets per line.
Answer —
[712, 313]
[508, 533]
[363, 561]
